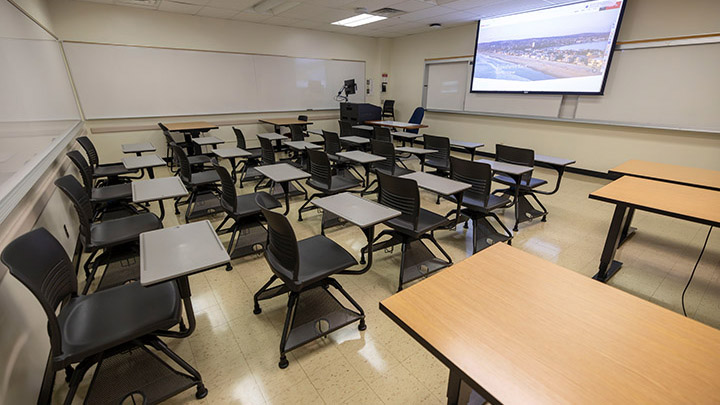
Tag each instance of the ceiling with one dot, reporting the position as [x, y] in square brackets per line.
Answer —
[416, 16]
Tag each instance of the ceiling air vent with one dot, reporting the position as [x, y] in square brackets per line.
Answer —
[388, 12]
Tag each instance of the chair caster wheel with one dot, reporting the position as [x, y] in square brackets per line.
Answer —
[201, 392]
[177, 212]
[283, 362]
[509, 243]
[515, 229]
[362, 326]
[228, 267]
[544, 219]
[257, 310]
[300, 219]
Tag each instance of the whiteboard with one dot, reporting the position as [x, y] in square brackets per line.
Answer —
[674, 87]
[115, 81]
[447, 86]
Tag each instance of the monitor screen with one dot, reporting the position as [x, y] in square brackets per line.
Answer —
[563, 50]
[350, 87]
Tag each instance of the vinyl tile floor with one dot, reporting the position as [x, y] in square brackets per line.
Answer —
[237, 352]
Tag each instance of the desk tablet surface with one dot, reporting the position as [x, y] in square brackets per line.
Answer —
[405, 135]
[140, 162]
[208, 140]
[414, 151]
[503, 167]
[529, 331]
[189, 126]
[684, 202]
[157, 189]
[169, 253]
[281, 172]
[437, 184]
[689, 176]
[360, 157]
[356, 210]
[284, 121]
[138, 147]
[359, 140]
[302, 145]
[363, 127]
[396, 124]
[466, 144]
[272, 136]
[231, 153]
[552, 160]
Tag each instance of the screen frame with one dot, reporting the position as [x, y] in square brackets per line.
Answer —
[574, 93]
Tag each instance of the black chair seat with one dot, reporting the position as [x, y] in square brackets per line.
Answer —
[110, 170]
[339, 183]
[476, 204]
[427, 221]
[255, 153]
[438, 164]
[92, 323]
[112, 193]
[198, 159]
[534, 182]
[320, 257]
[247, 206]
[206, 177]
[121, 230]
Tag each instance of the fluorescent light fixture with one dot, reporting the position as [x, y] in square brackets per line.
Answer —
[358, 20]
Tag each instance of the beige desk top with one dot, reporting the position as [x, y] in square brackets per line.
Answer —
[685, 202]
[189, 126]
[529, 331]
[689, 176]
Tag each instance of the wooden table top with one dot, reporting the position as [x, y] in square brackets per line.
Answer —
[675, 200]
[281, 122]
[529, 331]
[396, 124]
[189, 126]
[689, 176]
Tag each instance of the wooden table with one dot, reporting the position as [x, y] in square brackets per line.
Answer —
[520, 330]
[673, 200]
[687, 176]
[396, 124]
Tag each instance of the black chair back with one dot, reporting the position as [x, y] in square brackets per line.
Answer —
[386, 150]
[296, 133]
[477, 174]
[441, 144]
[516, 156]
[320, 169]
[345, 128]
[81, 201]
[86, 172]
[240, 138]
[382, 134]
[228, 197]
[90, 150]
[402, 195]
[182, 160]
[416, 118]
[388, 108]
[332, 142]
[268, 153]
[49, 275]
[282, 247]
[162, 126]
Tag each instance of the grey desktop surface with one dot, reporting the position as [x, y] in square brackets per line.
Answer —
[507, 168]
[272, 136]
[405, 135]
[282, 172]
[360, 157]
[157, 189]
[302, 145]
[437, 184]
[466, 144]
[551, 160]
[230, 152]
[414, 151]
[356, 210]
[363, 127]
[138, 147]
[359, 140]
[207, 140]
[315, 132]
[169, 253]
[141, 162]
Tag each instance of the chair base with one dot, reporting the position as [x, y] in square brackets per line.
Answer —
[202, 205]
[123, 266]
[525, 210]
[484, 233]
[251, 237]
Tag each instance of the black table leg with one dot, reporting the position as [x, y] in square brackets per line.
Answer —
[369, 235]
[627, 230]
[162, 209]
[518, 180]
[453, 391]
[151, 172]
[609, 266]
[286, 190]
[185, 294]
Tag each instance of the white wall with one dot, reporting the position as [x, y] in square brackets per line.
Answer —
[595, 147]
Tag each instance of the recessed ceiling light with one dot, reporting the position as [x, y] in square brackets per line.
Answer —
[358, 20]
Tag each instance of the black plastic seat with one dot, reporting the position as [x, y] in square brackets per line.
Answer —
[111, 171]
[305, 268]
[478, 203]
[388, 109]
[90, 328]
[323, 180]
[345, 128]
[529, 183]
[388, 166]
[112, 193]
[244, 213]
[198, 183]
[439, 160]
[255, 153]
[103, 236]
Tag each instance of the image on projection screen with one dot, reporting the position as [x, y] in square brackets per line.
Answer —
[565, 49]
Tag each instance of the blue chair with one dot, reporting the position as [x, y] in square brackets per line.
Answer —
[416, 118]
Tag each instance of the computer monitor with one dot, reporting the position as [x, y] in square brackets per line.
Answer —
[350, 87]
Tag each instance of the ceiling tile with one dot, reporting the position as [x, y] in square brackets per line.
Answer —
[370, 5]
[427, 13]
[317, 13]
[195, 2]
[182, 8]
[411, 5]
[329, 3]
[279, 20]
[251, 17]
[217, 12]
[239, 5]
[468, 4]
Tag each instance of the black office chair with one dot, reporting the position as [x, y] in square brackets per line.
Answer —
[200, 183]
[413, 225]
[245, 213]
[303, 118]
[416, 118]
[439, 160]
[297, 133]
[388, 166]
[194, 160]
[305, 268]
[111, 172]
[323, 180]
[522, 157]
[346, 128]
[91, 329]
[341, 165]
[103, 199]
[250, 161]
[388, 109]
[107, 236]
[382, 134]
[478, 203]
[268, 158]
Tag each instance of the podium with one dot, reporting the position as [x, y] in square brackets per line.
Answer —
[358, 113]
